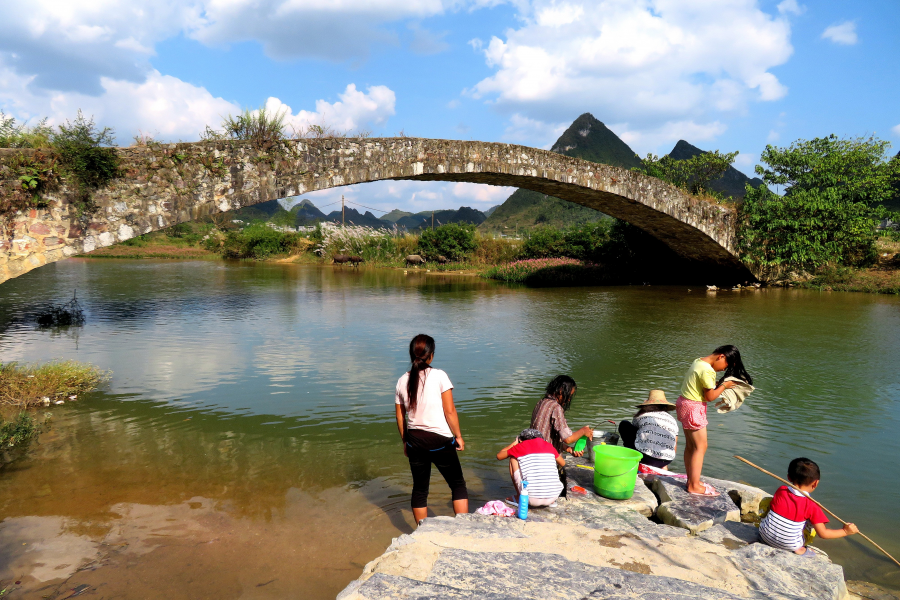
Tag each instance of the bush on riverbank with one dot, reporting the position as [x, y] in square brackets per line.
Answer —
[18, 431]
[27, 385]
[585, 242]
[454, 241]
[833, 201]
[258, 241]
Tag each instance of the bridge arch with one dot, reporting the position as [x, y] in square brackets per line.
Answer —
[165, 184]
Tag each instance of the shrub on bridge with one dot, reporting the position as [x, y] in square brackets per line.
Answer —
[455, 241]
[691, 174]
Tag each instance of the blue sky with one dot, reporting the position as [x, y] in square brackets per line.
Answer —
[722, 74]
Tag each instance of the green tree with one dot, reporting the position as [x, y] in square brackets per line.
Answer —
[692, 174]
[833, 190]
[455, 241]
[544, 241]
[284, 218]
[584, 242]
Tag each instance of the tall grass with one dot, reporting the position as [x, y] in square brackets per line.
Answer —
[373, 245]
[27, 385]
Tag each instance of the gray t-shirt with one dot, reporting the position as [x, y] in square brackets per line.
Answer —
[657, 434]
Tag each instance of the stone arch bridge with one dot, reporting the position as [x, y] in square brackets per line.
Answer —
[165, 184]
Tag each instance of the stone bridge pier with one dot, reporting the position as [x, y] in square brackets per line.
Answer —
[165, 184]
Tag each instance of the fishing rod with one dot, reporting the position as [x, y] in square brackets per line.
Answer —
[784, 481]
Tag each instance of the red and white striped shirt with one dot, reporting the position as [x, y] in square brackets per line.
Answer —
[788, 514]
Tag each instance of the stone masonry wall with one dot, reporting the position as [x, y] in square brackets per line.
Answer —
[165, 184]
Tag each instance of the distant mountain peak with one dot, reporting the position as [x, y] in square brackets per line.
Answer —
[588, 138]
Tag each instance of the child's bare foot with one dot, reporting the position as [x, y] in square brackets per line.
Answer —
[801, 550]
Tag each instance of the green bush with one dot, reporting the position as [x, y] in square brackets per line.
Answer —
[180, 230]
[545, 241]
[262, 128]
[583, 242]
[20, 135]
[17, 432]
[455, 241]
[257, 241]
[832, 203]
[90, 165]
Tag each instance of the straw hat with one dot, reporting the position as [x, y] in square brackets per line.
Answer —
[657, 398]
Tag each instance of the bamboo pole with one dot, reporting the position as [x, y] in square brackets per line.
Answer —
[784, 481]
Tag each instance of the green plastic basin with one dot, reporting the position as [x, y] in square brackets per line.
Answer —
[615, 471]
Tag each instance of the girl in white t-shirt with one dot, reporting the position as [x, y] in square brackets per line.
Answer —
[429, 427]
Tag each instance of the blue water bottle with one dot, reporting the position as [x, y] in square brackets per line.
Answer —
[523, 501]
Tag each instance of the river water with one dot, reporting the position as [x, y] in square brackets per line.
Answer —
[246, 445]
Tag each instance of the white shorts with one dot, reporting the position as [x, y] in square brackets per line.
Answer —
[532, 501]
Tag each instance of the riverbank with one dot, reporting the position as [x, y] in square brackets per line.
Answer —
[496, 259]
[661, 543]
[48, 383]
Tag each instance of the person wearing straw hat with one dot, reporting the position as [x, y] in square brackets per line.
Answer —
[653, 431]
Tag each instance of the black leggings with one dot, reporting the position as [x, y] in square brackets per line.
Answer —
[444, 457]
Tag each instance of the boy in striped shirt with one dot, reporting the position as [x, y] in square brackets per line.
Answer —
[534, 460]
[790, 511]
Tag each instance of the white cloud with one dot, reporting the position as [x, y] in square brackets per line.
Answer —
[745, 162]
[171, 109]
[791, 7]
[354, 111]
[842, 33]
[643, 140]
[161, 105]
[330, 29]
[652, 64]
[70, 46]
[524, 130]
[477, 193]
[896, 130]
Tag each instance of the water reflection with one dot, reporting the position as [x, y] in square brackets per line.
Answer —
[251, 386]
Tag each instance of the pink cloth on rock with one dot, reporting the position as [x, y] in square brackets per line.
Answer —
[496, 507]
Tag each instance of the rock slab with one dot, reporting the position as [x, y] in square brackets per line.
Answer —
[695, 513]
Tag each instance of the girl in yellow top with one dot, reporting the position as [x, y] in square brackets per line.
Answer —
[698, 388]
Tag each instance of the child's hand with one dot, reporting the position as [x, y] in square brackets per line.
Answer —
[728, 384]
[850, 529]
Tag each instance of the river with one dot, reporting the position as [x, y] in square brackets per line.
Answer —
[246, 445]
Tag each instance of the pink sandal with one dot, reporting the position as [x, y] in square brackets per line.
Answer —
[708, 490]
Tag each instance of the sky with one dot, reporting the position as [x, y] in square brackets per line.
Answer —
[721, 74]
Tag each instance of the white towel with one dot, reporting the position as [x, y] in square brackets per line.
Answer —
[733, 398]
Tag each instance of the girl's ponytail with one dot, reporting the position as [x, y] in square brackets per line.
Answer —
[421, 348]
[735, 364]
